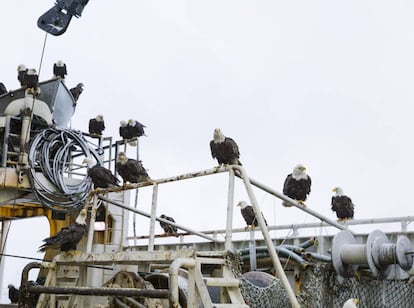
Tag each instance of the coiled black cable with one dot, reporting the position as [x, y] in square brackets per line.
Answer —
[58, 179]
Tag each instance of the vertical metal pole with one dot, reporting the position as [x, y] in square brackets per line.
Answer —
[134, 218]
[24, 138]
[275, 259]
[252, 249]
[92, 224]
[230, 205]
[5, 226]
[152, 219]
[5, 142]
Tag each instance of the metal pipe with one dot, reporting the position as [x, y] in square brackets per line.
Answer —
[230, 204]
[5, 142]
[158, 219]
[252, 252]
[263, 251]
[151, 240]
[25, 136]
[296, 204]
[308, 243]
[173, 273]
[354, 254]
[313, 255]
[275, 259]
[91, 228]
[100, 291]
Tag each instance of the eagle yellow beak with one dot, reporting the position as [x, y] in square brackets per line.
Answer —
[356, 300]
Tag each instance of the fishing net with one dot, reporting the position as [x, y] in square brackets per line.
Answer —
[321, 287]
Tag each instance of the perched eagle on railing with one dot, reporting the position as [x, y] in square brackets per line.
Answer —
[247, 212]
[97, 125]
[297, 185]
[168, 229]
[135, 129]
[130, 170]
[224, 149]
[69, 237]
[342, 205]
[100, 176]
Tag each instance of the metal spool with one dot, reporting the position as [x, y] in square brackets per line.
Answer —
[378, 253]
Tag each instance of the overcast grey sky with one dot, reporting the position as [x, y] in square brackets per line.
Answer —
[324, 83]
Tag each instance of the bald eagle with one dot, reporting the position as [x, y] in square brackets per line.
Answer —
[77, 91]
[21, 73]
[135, 129]
[342, 205]
[30, 79]
[130, 170]
[59, 69]
[67, 238]
[351, 303]
[168, 229]
[224, 149]
[297, 185]
[97, 125]
[13, 294]
[100, 176]
[3, 89]
[247, 212]
[123, 130]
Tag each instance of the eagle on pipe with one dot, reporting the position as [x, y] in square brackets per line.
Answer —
[224, 149]
[100, 176]
[297, 185]
[67, 238]
[168, 229]
[342, 205]
[59, 69]
[135, 129]
[130, 170]
[97, 125]
[249, 216]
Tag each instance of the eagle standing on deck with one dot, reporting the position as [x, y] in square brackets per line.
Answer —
[97, 125]
[168, 229]
[59, 69]
[297, 185]
[342, 205]
[130, 170]
[224, 149]
[249, 216]
[67, 238]
[77, 91]
[100, 176]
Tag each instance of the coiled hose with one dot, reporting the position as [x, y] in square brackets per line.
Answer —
[51, 152]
